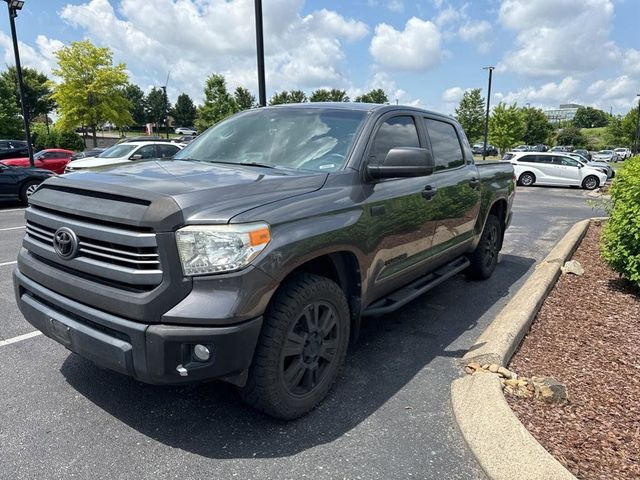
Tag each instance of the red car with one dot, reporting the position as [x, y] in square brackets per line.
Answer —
[54, 159]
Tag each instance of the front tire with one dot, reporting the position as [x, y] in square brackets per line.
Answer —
[301, 348]
[590, 183]
[527, 179]
[485, 257]
[27, 190]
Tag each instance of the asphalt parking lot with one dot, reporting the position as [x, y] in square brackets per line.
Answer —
[389, 416]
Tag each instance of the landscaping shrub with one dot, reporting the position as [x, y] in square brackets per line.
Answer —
[621, 235]
[55, 138]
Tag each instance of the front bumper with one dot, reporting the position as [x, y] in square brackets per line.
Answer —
[150, 353]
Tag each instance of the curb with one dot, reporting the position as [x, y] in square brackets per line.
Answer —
[501, 444]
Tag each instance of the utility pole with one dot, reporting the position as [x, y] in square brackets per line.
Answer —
[486, 120]
[13, 7]
[262, 93]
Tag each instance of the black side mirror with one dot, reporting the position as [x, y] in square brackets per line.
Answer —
[403, 162]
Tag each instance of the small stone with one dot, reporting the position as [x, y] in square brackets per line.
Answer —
[474, 366]
[572, 266]
[511, 383]
[504, 372]
[493, 368]
[549, 390]
[485, 366]
[469, 370]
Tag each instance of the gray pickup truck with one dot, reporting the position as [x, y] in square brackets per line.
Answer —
[252, 255]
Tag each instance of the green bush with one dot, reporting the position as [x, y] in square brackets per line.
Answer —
[70, 141]
[55, 138]
[621, 235]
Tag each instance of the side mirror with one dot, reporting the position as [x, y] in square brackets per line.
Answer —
[403, 162]
[137, 156]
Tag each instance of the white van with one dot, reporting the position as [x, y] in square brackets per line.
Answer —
[553, 168]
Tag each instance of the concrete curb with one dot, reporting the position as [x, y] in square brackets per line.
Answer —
[501, 444]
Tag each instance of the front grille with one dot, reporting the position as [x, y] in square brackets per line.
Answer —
[112, 253]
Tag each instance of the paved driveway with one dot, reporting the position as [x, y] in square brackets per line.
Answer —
[388, 417]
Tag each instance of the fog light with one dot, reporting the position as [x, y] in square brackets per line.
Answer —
[201, 352]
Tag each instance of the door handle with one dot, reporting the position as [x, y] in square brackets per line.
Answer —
[474, 183]
[429, 192]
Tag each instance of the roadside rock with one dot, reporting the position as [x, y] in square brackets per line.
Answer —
[549, 390]
[493, 368]
[572, 266]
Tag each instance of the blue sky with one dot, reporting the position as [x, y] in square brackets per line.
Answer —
[426, 52]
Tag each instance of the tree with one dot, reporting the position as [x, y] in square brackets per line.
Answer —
[243, 98]
[10, 119]
[537, 128]
[506, 126]
[134, 94]
[218, 103]
[184, 111]
[471, 114]
[374, 96]
[615, 134]
[571, 135]
[630, 125]
[37, 91]
[588, 117]
[90, 91]
[333, 95]
[293, 96]
[155, 108]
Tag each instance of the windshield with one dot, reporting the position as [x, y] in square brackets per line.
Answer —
[301, 139]
[117, 151]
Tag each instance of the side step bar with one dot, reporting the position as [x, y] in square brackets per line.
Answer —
[401, 297]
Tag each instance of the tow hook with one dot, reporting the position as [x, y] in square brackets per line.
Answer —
[182, 371]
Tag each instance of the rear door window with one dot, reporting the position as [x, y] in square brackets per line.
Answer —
[445, 144]
[148, 151]
[397, 131]
[167, 151]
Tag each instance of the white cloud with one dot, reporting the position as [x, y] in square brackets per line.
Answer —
[417, 47]
[41, 58]
[395, 5]
[631, 62]
[477, 32]
[453, 95]
[558, 38]
[618, 93]
[546, 96]
[194, 38]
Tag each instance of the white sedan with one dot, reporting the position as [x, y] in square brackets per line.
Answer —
[126, 152]
[186, 131]
[554, 169]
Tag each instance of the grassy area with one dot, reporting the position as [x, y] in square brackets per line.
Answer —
[595, 136]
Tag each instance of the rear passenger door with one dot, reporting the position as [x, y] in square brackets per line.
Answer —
[456, 204]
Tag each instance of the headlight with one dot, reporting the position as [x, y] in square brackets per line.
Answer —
[208, 249]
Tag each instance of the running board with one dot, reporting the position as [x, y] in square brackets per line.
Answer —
[401, 297]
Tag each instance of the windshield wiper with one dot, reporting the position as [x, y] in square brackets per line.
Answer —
[257, 164]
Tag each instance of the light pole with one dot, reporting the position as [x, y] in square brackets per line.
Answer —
[637, 136]
[486, 120]
[262, 94]
[13, 7]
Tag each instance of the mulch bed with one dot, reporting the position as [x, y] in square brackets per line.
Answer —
[587, 336]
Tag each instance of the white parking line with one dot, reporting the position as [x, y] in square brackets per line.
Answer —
[8, 263]
[11, 228]
[19, 338]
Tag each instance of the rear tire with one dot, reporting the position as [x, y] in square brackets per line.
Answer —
[301, 348]
[590, 183]
[27, 190]
[485, 257]
[527, 179]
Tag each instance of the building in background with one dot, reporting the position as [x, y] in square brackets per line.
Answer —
[565, 113]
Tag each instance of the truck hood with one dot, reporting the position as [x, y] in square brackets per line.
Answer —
[165, 194]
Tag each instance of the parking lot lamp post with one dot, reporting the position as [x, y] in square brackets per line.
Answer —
[13, 7]
[262, 95]
[486, 120]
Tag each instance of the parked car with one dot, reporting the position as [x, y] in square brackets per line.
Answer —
[184, 139]
[125, 152]
[562, 148]
[54, 159]
[606, 156]
[19, 183]
[144, 138]
[92, 152]
[13, 149]
[253, 254]
[602, 166]
[541, 147]
[585, 153]
[186, 131]
[623, 153]
[479, 147]
[556, 169]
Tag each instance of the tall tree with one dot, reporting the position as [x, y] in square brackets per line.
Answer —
[243, 98]
[90, 90]
[506, 126]
[10, 119]
[218, 103]
[184, 111]
[588, 117]
[374, 96]
[155, 108]
[292, 96]
[134, 94]
[471, 114]
[333, 95]
[614, 134]
[537, 128]
[37, 91]
[571, 135]
[630, 125]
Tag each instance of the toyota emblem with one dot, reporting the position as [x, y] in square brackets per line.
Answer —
[65, 243]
